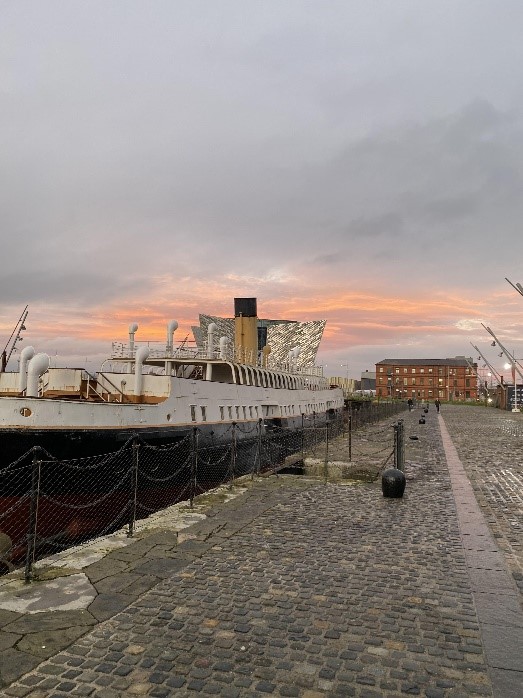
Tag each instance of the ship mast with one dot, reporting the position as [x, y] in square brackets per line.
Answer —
[13, 339]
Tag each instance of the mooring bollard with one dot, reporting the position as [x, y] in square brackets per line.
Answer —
[393, 483]
[422, 420]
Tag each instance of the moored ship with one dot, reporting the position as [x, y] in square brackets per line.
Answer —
[236, 382]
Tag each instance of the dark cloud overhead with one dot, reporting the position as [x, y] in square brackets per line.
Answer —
[257, 141]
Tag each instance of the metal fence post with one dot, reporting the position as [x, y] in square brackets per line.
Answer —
[260, 447]
[194, 464]
[350, 436]
[134, 488]
[326, 464]
[401, 445]
[302, 436]
[233, 455]
[33, 517]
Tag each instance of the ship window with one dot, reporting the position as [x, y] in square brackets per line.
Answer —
[25, 412]
[193, 413]
[221, 412]
[204, 414]
[230, 412]
[237, 412]
[244, 412]
[250, 412]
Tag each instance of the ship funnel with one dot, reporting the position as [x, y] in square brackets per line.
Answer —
[246, 330]
[37, 366]
[211, 329]
[171, 329]
[26, 355]
[141, 355]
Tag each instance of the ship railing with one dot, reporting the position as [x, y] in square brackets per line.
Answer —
[91, 386]
[102, 378]
[157, 350]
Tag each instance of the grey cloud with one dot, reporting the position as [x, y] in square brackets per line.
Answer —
[136, 143]
[78, 287]
[387, 224]
[449, 209]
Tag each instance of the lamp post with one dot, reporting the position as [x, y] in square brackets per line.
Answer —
[347, 377]
[514, 363]
[512, 366]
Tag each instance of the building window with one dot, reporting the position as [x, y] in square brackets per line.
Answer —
[405, 370]
[397, 370]
[430, 370]
[413, 381]
[405, 382]
[421, 381]
[413, 370]
[381, 369]
[422, 370]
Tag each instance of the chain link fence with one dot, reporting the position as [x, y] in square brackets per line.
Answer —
[48, 504]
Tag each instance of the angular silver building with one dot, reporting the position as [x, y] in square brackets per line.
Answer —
[280, 335]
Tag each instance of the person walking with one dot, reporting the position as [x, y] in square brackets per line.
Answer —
[437, 403]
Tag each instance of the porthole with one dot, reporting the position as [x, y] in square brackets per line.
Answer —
[25, 412]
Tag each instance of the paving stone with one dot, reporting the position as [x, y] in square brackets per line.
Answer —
[311, 588]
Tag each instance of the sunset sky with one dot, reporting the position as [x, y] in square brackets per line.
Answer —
[359, 162]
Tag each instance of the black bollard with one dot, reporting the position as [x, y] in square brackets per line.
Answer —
[393, 483]
[422, 420]
[426, 410]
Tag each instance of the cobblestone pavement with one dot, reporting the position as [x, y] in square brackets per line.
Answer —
[490, 446]
[298, 588]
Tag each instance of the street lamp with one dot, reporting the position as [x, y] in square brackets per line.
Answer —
[512, 365]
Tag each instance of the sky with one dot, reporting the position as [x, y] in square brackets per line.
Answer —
[354, 161]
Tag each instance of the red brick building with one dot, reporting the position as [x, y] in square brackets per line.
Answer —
[427, 379]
